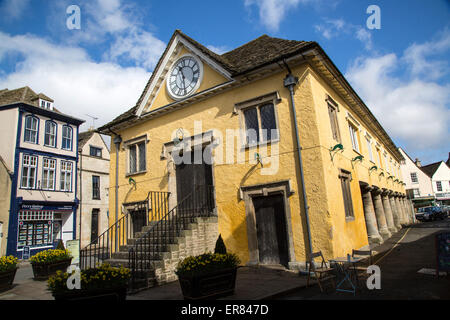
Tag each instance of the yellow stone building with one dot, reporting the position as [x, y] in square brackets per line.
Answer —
[237, 109]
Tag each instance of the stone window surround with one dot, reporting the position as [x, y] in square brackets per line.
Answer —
[204, 139]
[126, 146]
[274, 98]
[247, 193]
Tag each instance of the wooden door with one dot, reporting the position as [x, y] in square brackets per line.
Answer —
[138, 219]
[94, 225]
[190, 176]
[271, 230]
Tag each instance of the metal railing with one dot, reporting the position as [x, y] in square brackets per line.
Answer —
[148, 248]
[155, 206]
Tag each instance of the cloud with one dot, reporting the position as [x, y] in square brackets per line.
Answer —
[413, 109]
[13, 9]
[67, 74]
[333, 28]
[416, 57]
[114, 25]
[271, 12]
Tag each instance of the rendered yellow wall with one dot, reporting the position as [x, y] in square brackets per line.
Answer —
[346, 235]
[330, 233]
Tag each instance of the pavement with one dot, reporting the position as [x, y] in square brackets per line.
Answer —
[25, 288]
[252, 283]
[399, 258]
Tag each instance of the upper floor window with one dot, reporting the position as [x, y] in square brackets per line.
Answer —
[67, 138]
[31, 129]
[260, 124]
[354, 137]
[438, 185]
[345, 178]
[96, 187]
[369, 148]
[136, 157]
[95, 152]
[414, 178]
[29, 169]
[48, 174]
[50, 134]
[66, 176]
[332, 112]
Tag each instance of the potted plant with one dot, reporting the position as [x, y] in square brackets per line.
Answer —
[46, 263]
[8, 268]
[101, 283]
[208, 276]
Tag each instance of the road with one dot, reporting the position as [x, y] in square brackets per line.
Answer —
[413, 249]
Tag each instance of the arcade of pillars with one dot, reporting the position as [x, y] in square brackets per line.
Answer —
[385, 212]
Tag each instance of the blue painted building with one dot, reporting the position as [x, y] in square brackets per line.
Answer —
[39, 143]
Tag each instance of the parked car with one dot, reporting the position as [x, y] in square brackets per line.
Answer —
[446, 209]
[430, 213]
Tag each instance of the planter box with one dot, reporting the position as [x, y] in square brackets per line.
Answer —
[7, 279]
[106, 294]
[42, 271]
[208, 286]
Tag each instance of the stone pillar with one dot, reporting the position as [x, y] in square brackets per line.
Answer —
[379, 214]
[388, 211]
[369, 215]
[400, 209]
[405, 209]
[408, 209]
[395, 213]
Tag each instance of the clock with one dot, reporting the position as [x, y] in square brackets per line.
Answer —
[184, 77]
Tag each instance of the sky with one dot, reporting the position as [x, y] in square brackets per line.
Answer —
[401, 69]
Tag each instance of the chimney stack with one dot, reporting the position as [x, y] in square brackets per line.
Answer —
[417, 162]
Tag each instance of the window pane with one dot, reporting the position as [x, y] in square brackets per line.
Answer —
[132, 158]
[251, 125]
[141, 147]
[268, 122]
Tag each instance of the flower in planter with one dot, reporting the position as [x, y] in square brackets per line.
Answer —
[205, 263]
[50, 256]
[102, 277]
[8, 263]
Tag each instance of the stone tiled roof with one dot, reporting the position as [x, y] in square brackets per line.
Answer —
[254, 54]
[84, 137]
[24, 94]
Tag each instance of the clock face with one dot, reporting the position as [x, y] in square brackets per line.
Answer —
[185, 77]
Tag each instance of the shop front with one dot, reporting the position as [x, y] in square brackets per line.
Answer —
[40, 227]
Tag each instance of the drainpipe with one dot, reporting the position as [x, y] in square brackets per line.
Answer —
[117, 141]
[289, 82]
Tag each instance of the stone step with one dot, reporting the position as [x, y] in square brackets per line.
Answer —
[139, 255]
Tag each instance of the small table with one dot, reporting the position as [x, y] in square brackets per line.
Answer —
[344, 266]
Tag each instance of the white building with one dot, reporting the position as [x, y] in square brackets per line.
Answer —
[39, 145]
[418, 184]
[439, 172]
[93, 170]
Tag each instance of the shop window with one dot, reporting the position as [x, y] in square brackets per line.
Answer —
[35, 228]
